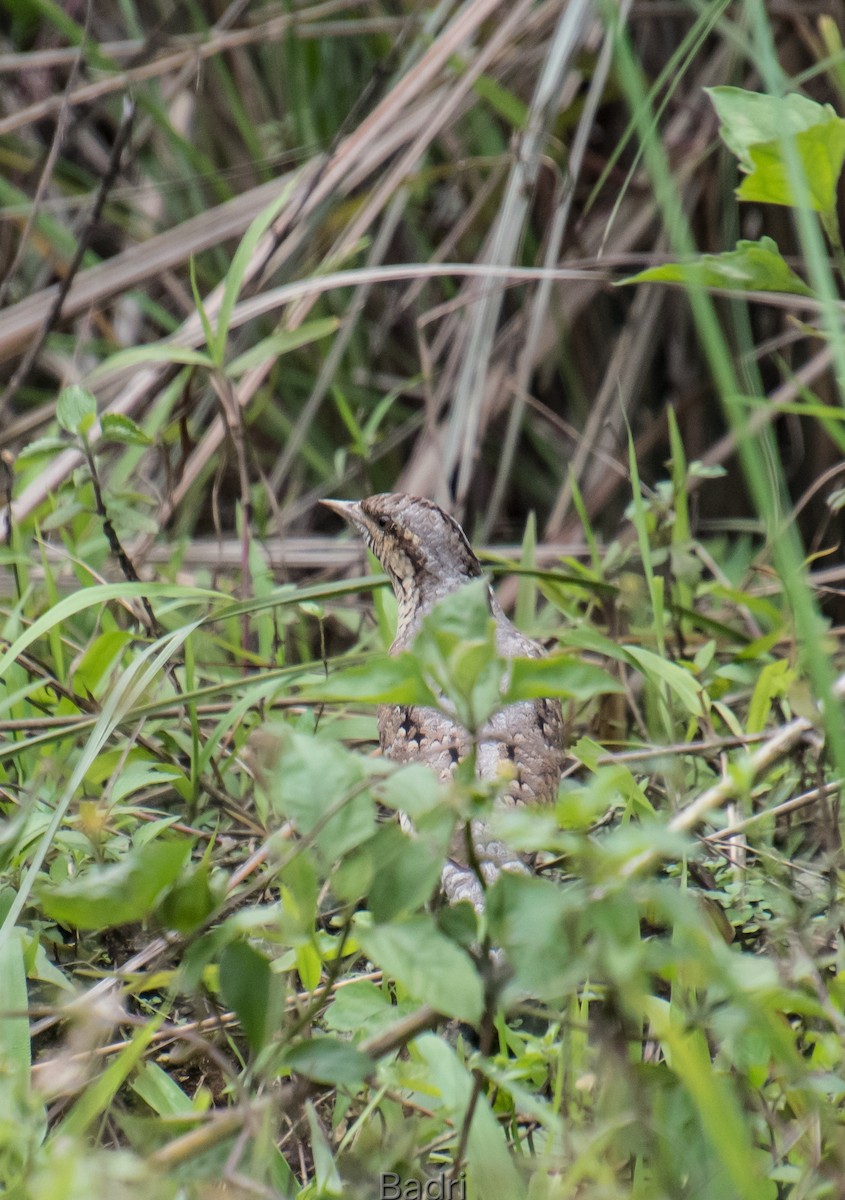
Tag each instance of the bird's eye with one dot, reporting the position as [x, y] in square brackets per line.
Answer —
[382, 520]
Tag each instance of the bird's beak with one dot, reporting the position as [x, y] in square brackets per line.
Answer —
[350, 510]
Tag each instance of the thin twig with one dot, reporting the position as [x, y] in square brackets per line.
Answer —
[54, 314]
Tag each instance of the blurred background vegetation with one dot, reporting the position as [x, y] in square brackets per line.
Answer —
[252, 254]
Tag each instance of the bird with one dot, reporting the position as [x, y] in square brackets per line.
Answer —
[427, 556]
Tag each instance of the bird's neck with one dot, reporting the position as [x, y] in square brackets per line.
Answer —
[416, 599]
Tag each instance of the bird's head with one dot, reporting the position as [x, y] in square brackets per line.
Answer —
[422, 549]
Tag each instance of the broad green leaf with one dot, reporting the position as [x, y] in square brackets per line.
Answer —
[384, 680]
[557, 675]
[115, 895]
[532, 920]
[407, 871]
[461, 616]
[321, 787]
[247, 983]
[117, 427]
[752, 125]
[753, 266]
[328, 1060]
[749, 118]
[141, 774]
[413, 789]
[363, 1009]
[821, 151]
[76, 409]
[105, 765]
[456, 647]
[43, 968]
[309, 965]
[46, 447]
[190, 901]
[427, 964]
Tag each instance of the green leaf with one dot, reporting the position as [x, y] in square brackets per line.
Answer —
[363, 1009]
[526, 585]
[326, 1175]
[190, 901]
[76, 409]
[679, 681]
[427, 964]
[157, 352]
[14, 1030]
[100, 1093]
[116, 427]
[821, 151]
[243, 256]
[129, 772]
[99, 657]
[747, 119]
[456, 647]
[319, 785]
[246, 982]
[46, 447]
[491, 1170]
[412, 789]
[116, 895]
[774, 680]
[463, 615]
[531, 919]
[384, 680]
[161, 1092]
[216, 346]
[328, 1060]
[753, 125]
[504, 102]
[93, 597]
[753, 266]
[281, 343]
[723, 1120]
[407, 871]
[558, 675]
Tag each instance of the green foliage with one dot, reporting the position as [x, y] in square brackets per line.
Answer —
[247, 986]
[76, 410]
[223, 966]
[753, 125]
[119, 894]
[790, 151]
[598, 952]
[751, 267]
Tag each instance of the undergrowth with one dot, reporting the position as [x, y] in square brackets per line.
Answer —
[223, 965]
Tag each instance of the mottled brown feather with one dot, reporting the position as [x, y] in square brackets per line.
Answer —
[427, 556]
